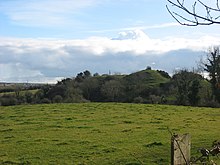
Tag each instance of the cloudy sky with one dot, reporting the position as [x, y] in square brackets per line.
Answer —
[47, 40]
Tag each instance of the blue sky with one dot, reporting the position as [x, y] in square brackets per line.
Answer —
[78, 18]
[46, 40]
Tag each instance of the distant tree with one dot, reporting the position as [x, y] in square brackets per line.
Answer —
[79, 77]
[45, 101]
[187, 84]
[8, 100]
[148, 68]
[45, 89]
[64, 81]
[82, 76]
[38, 96]
[95, 74]
[73, 93]
[57, 99]
[112, 90]
[193, 95]
[87, 74]
[138, 99]
[58, 89]
[212, 66]
[29, 97]
[154, 99]
[195, 12]
[17, 91]
[90, 87]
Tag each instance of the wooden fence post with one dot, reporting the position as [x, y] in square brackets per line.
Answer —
[180, 149]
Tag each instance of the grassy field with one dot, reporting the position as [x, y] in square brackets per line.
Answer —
[101, 133]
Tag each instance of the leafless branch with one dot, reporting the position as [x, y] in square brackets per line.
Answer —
[185, 15]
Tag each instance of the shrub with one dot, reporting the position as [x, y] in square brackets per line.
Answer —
[138, 99]
[45, 101]
[8, 101]
[57, 99]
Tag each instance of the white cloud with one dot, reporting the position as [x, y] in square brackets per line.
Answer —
[158, 26]
[143, 27]
[48, 59]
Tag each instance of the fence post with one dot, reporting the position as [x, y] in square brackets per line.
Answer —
[180, 149]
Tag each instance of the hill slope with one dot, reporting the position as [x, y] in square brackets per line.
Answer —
[147, 77]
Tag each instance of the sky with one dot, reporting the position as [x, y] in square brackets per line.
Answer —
[48, 40]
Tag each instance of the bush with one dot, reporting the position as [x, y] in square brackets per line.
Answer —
[76, 99]
[8, 101]
[45, 101]
[138, 99]
[57, 99]
[29, 97]
[155, 99]
[212, 104]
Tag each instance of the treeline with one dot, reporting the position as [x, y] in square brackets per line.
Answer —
[147, 86]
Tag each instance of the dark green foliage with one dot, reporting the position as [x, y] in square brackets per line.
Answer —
[87, 74]
[90, 88]
[143, 84]
[29, 97]
[112, 90]
[212, 66]
[95, 74]
[57, 99]
[45, 101]
[8, 100]
[148, 68]
[59, 89]
[146, 86]
[39, 95]
[188, 85]
[193, 95]
[81, 76]
[138, 99]
[4, 90]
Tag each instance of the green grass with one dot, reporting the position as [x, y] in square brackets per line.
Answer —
[101, 133]
[148, 78]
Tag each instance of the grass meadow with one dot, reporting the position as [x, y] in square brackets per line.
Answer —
[101, 133]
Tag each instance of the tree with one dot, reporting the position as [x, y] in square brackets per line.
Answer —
[212, 66]
[187, 84]
[8, 100]
[112, 90]
[57, 99]
[29, 97]
[87, 74]
[72, 93]
[195, 12]
[193, 94]
[79, 77]
[17, 91]
[90, 88]
[82, 76]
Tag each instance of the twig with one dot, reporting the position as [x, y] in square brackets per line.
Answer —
[197, 19]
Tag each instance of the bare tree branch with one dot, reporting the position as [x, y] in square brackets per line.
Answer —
[185, 15]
